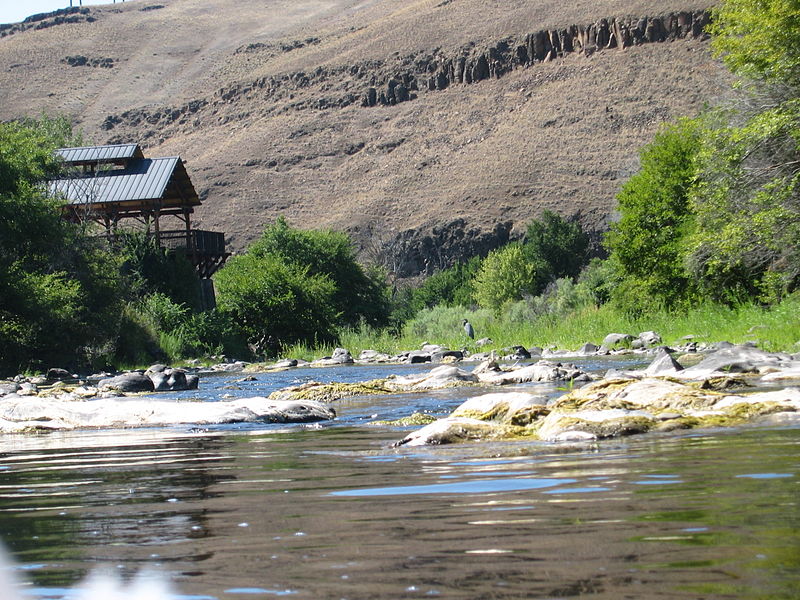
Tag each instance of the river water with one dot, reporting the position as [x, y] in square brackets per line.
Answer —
[333, 511]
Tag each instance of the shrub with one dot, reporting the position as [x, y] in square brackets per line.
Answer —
[557, 247]
[358, 295]
[276, 303]
[648, 243]
[505, 276]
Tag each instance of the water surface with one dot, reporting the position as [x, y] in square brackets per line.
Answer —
[332, 511]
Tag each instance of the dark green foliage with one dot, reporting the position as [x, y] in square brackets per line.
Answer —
[171, 330]
[450, 287]
[152, 269]
[59, 291]
[648, 243]
[276, 303]
[557, 247]
[358, 296]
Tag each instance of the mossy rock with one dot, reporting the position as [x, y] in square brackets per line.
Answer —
[522, 417]
[264, 368]
[599, 424]
[629, 394]
[512, 408]
[455, 430]
[411, 420]
[721, 384]
[330, 392]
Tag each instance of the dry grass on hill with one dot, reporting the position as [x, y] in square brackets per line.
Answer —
[561, 135]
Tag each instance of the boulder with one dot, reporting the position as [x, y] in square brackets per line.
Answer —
[607, 408]
[595, 424]
[650, 393]
[453, 430]
[40, 413]
[28, 389]
[649, 339]
[737, 359]
[513, 408]
[8, 387]
[373, 356]
[58, 374]
[416, 357]
[330, 392]
[447, 356]
[614, 340]
[441, 377]
[538, 372]
[128, 383]
[663, 364]
[192, 381]
[158, 368]
[484, 342]
[433, 348]
[515, 353]
[286, 363]
[340, 356]
[588, 349]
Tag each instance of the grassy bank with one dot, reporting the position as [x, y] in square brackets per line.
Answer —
[776, 328]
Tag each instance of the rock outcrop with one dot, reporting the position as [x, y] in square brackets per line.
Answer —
[438, 72]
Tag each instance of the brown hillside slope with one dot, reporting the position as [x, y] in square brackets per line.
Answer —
[263, 99]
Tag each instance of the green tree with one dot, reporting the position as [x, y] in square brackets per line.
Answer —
[557, 246]
[449, 287]
[59, 291]
[505, 275]
[275, 302]
[759, 39]
[151, 269]
[648, 244]
[747, 241]
[358, 295]
[747, 199]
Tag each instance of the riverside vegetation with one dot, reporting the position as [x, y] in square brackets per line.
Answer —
[706, 245]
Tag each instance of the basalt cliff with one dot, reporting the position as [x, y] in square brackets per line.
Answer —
[430, 130]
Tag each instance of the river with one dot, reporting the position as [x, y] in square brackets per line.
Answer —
[333, 511]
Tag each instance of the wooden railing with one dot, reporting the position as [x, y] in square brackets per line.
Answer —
[208, 243]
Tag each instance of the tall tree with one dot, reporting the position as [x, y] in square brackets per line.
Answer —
[748, 198]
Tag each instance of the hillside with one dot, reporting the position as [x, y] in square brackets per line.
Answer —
[428, 129]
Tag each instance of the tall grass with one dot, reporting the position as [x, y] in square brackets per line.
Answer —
[775, 328]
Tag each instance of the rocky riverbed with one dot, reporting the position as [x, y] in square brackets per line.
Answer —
[692, 386]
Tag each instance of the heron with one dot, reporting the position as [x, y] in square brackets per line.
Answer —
[468, 329]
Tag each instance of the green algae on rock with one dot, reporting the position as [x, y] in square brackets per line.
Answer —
[412, 419]
[603, 409]
[330, 392]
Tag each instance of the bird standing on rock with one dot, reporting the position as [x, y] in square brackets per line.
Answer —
[468, 329]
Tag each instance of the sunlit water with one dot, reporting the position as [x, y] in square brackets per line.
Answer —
[332, 511]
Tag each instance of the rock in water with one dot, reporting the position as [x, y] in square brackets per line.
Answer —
[21, 414]
[128, 383]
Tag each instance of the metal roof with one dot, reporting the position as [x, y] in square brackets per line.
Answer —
[141, 180]
[100, 154]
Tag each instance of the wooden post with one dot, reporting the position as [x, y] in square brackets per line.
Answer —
[156, 226]
[191, 241]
